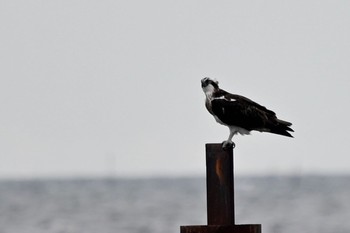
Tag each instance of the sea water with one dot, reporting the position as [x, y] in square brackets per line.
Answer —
[307, 204]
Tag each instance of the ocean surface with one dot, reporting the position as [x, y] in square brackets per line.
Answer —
[305, 204]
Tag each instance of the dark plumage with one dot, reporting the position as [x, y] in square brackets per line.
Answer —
[241, 114]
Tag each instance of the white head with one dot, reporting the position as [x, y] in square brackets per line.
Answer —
[209, 85]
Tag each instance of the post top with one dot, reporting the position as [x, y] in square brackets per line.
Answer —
[217, 147]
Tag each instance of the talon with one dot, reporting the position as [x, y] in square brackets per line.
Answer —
[228, 145]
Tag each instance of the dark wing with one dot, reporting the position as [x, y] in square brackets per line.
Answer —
[243, 112]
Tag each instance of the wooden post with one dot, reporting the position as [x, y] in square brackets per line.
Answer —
[220, 195]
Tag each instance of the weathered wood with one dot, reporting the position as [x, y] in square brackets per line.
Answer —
[220, 195]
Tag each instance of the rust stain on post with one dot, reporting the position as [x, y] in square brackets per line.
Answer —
[219, 170]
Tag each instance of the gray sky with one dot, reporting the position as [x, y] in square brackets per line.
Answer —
[113, 87]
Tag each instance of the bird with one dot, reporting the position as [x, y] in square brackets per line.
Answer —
[240, 114]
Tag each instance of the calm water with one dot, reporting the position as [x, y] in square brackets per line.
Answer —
[280, 204]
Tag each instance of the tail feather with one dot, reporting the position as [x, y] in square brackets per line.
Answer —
[282, 128]
[286, 123]
[281, 132]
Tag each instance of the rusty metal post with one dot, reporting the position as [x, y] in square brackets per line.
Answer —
[220, 195]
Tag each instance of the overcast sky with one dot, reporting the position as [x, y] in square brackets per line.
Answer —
[113, 87]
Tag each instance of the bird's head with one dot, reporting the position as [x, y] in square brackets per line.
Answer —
[209, 85]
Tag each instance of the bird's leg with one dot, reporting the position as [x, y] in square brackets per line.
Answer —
[229, 143]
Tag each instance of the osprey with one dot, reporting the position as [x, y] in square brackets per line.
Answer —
[240, 114]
